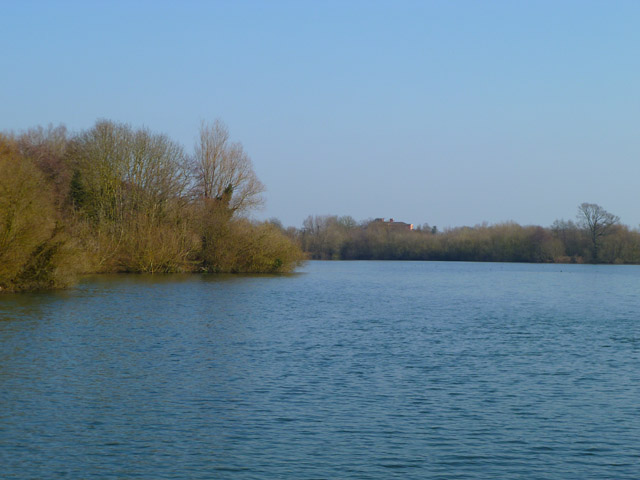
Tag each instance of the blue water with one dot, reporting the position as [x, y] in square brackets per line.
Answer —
[359, 370]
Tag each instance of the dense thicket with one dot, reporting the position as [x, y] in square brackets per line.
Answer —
[118, 199]
[596, 237]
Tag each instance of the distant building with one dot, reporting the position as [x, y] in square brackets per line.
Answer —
[393, 224]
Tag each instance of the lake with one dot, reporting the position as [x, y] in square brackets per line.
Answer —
[345, 370]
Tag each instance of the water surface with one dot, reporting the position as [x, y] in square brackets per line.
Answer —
[363, 370]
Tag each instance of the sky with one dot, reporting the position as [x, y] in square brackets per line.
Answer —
[442, 112]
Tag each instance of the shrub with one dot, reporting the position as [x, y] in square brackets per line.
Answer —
[35, 252]
[240, 246]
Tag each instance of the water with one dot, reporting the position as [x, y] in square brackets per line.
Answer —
[363, 370]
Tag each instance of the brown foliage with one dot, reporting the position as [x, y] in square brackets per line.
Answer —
[46, 148]
[152, 246]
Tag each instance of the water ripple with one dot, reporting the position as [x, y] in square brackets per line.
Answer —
[363, 370]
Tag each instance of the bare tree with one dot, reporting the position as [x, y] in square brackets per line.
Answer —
[224, 171]
[120, 170]
[597, 223]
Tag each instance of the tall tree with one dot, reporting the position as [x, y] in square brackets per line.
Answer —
[597, 223]
[119, 171]
[224, 171]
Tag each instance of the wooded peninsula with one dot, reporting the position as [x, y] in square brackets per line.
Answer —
[118, 199]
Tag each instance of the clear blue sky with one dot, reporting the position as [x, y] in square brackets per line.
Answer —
[447, 112]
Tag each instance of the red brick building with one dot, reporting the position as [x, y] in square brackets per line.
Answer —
[393, 224]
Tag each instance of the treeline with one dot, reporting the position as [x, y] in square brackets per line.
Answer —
[595, 237]
[118, 199]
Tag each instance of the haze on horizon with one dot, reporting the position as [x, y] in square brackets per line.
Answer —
[451, 113]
